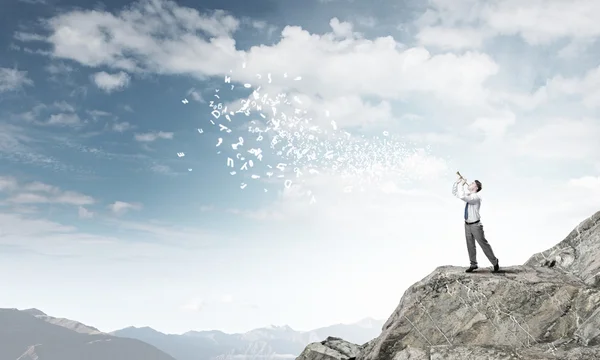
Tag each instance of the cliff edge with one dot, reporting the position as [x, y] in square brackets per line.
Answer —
[548, 308]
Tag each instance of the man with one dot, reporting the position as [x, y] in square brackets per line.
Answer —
[473, 225]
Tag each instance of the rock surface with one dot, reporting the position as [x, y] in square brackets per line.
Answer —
[548, 308]
[331, 348]
[578, 253]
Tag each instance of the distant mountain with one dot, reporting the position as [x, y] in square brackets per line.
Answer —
[32, 335]
[273, 342]
[360, 332]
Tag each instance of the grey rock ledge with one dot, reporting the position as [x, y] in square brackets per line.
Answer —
[548, 308]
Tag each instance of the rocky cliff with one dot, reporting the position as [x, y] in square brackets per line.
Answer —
[548, 308]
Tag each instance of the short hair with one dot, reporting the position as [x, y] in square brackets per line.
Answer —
[478, 183]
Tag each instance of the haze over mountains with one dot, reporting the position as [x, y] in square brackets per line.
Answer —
[274, 342]
[32, 335]
[545, 309]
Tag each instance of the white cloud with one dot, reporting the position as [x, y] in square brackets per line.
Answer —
[259, 24]
[134, 30]
[366, 21]
[451, 38]
[121, 207]
[84, 213]
[195, 95]
[543, 22]
[575, 48]
[587, 182]
[67, 198]
[379, 67]
[152, 136]
[7, 183]
[37, 186]
[26, 229]
[197, 304]
[421, 165]
[164, 232]
[22, 36]
[98, 113]
[111, 82]
[194, 305]
[31, 115]
[342, 29]
[352, 111]
[537, 22]
[33, 234]
[41, 193]
[59, 68]
[16, 145]
[411, 117]
[161, 169]
[344, 111]
[433, 138]
[494, 127]
[64, 119]
[122, 127]
[13, 79]
[63, 106]
[559, 139]
[587, 86]
[262, 26]
[27, 198]
[560, 88]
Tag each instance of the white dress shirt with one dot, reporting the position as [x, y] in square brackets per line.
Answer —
[473, 199]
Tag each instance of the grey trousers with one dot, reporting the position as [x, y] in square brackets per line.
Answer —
[475, 232]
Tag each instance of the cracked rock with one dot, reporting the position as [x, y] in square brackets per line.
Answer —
[548, 308]
[330, 349]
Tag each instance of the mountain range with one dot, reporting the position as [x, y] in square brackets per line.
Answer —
[32, 335]
[274, 342]
[546, 309]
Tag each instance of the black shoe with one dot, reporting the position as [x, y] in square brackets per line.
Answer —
[471, 268]
[497, 266]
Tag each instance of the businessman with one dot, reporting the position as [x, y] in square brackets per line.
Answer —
[473, 225]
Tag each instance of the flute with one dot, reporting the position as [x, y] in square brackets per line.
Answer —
[461, 177]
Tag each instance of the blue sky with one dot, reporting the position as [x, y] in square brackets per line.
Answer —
[101, 220]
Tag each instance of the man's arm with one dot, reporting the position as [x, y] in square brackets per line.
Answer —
[454, 187]
[467, 197]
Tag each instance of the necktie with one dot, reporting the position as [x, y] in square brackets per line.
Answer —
[466, 211]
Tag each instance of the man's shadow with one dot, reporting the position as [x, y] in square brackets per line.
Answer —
[499, 272]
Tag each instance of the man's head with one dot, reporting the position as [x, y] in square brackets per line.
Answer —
[475, 186]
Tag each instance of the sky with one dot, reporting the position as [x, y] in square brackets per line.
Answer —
[118, 206]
